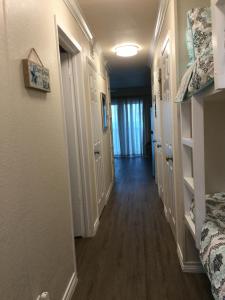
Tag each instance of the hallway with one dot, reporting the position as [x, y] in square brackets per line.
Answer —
[133, 256]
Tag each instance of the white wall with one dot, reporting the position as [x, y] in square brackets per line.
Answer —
[36, 242]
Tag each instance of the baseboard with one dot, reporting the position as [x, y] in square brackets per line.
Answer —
[109, 192]
[70, 288]
[191, 266]
[96, 225]
[166, 212]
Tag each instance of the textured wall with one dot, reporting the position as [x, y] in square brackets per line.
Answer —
[36, 243]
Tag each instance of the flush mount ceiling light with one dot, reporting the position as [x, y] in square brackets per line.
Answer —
[127, 50]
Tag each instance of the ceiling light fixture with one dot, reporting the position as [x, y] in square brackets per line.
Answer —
[127, 50]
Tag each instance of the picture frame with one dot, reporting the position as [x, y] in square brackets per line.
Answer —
[104, 112]
[36, 76]
[160, 83]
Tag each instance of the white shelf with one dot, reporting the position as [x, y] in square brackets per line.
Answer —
[190, 224]
[189, 182]
[187, 142]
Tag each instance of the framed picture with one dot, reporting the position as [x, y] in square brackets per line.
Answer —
[160, 83]
[36, 76]
[104, 112]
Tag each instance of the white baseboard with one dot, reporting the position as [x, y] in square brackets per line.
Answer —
[166, 213]
[70, 288]
[189, 267]
[96, 225]
[109, 192]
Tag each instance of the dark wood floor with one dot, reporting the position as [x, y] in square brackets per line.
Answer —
[133, 256]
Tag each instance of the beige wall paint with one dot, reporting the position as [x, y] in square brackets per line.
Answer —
[36, 242]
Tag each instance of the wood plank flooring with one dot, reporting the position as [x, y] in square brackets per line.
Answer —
[133, 256]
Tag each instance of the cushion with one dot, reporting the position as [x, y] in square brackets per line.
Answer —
[212, 250]
[190, 44]
[200, 27]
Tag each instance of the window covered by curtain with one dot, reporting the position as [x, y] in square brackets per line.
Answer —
[127, 126]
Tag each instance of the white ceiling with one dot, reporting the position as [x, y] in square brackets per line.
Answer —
[117, 21]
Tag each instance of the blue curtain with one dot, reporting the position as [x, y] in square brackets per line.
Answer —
[127, 126]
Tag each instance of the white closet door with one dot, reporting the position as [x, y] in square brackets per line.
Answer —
[167, 134]
[96, 125]
[159, 165]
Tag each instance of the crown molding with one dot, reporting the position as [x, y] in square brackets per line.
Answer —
[159, 24]
[160, 19]
[75, 10]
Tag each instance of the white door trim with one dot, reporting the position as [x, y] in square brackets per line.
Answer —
[72, 46]
[70, 288]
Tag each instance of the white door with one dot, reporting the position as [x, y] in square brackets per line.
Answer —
[166, 118]
[96, 124]
[153, 138]
[159, 165]
[158, 138]
[72, 143]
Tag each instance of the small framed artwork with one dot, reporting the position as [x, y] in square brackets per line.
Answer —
[104, 112]
[160, 83]
[36, 76]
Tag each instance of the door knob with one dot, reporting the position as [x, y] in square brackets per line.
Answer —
[159, 146]
[97, 152]
[169, 159]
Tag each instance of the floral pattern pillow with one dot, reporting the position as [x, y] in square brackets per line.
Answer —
[212, 252]
[200, 21]
[203, 74]
[200, 25]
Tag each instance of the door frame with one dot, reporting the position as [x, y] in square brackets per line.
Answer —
[63, 38]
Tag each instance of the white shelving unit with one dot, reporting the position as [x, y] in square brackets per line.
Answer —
[202, 134]
[203, 148]
[192, 130]
[187, 157]
[201, 167]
